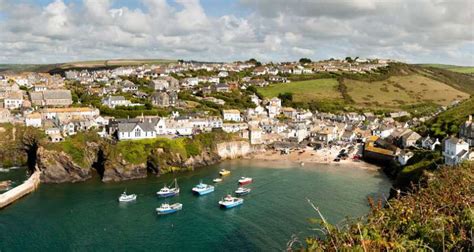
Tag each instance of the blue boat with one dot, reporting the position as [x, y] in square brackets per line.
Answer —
[230, 202]
[166, 191]
[166, 208]
[202, 188]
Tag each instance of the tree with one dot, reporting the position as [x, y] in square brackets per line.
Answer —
[349, 59]
[286, 98]
[305, 61]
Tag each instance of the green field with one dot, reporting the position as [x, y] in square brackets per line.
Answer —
[397, 91]
[305, 91]
[458, 69]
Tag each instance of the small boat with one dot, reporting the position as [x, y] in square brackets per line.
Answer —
[127, 198]
[224, 172]
[302, 163]
[166, 208]
[202, 188]
[245, 180]
[230, 202]
[166, 191]
[242, 191]
[217, 180]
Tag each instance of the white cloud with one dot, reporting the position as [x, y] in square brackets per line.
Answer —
[415, 30]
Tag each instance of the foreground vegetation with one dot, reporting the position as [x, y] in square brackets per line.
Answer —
[436, 215]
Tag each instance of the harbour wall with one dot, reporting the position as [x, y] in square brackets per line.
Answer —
[18, 192]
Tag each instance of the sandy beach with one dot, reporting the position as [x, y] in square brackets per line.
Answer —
[309, 155]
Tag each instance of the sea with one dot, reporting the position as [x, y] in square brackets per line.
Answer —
[87, 216]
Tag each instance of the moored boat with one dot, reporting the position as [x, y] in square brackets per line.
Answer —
[230, 202]
[217, 180]
[224, 172]
[127, 198]
[245, 180]
[166, 208]
[242, 191]
[166, 191]
[202, 188]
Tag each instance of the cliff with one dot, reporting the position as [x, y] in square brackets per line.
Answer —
[79, 156]
[59, 167]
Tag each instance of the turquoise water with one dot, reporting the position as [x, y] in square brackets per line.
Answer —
[87, 216]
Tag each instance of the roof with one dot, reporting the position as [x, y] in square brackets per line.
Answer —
[116, 98]
[230, 111]
[34, 115]
[66, 110]
[57, 94]
[146, 125]
[14, 95]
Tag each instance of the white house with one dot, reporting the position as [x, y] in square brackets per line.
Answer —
[231, 115]
[455, 151]
[113, 101]
[139, 130]
[255, 135]
[223, 74]
[33, 119]
[429, 143]
[13, 100]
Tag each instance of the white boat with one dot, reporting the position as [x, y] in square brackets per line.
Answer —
[127, 198]
[202, 188]
[245, 180]
[229, 201]
[167, 191]
[217, 180]
[166, 208]
[242, 191]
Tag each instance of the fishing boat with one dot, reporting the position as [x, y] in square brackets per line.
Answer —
[166, 208]
[245, 180]
[230, 202]
[217, 180]
[166, 191]
[202, 188]
[224, 172]
[127, 198]
[242, 191]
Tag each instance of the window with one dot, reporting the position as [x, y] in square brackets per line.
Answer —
[137, 132]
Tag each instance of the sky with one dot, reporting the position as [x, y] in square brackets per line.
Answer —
[413, 31]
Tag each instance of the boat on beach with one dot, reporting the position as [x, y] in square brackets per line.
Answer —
[202, 189]
[245, 180]
[127, 198]
[224, 172]
[242, 191]
[230, 202]
[166, 208]
[166, 191]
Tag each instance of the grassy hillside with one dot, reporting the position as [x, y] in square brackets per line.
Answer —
[448, 122]
[396, 87]
[320, 89]
[61, 67]
[113, 63]
[437, 216]
[458, 69]
[397, 91]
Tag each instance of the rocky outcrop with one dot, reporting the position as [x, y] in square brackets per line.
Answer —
[58, 167]
[118, 171]
[233, 149]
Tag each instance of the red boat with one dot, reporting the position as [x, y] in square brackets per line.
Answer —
[245, 181]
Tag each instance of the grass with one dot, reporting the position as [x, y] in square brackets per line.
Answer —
[397, 91]
[448, 122]
[311, 90]
[453, 68]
